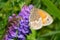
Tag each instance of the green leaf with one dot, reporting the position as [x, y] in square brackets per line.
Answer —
[32, 36]
[50, 33]
[52, 8]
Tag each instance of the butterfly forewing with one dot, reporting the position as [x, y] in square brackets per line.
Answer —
[47, 20]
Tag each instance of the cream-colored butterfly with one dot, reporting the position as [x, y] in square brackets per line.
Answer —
[39, 18]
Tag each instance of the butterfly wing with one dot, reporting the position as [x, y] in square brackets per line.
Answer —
[36, 24]
[35, 20]
[39, 18]
[46, 18]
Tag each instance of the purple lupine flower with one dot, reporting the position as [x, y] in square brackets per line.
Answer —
[24, 27]
[12, 28]
[7, 38]
[21, 36]
[30, 7]
[12, 32]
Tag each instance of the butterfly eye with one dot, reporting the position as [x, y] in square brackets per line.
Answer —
[48, 20]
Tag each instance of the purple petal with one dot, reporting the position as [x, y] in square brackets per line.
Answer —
[31, 6]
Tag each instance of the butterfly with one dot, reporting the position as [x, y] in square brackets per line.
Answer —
[39, 18]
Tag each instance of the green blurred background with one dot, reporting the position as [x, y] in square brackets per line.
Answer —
[51, 32]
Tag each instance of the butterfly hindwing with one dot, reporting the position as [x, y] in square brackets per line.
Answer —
[35, 20]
